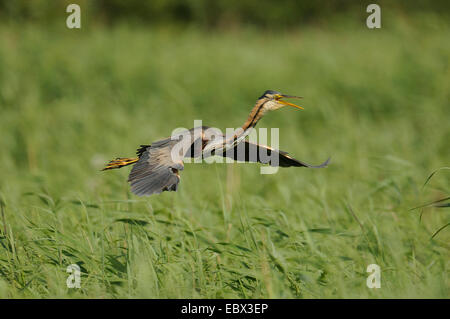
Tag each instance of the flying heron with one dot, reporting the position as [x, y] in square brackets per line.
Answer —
[157, 165]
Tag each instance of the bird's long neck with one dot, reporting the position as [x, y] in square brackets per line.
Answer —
[255, 115]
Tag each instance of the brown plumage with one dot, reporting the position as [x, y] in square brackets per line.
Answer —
[157, 166]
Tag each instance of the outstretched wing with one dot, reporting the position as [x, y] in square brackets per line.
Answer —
[250, 152]
[159, 165]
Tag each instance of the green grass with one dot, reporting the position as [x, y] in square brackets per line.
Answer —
[377, 101]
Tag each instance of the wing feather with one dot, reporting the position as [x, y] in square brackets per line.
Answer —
[251, 152]
[157, 169]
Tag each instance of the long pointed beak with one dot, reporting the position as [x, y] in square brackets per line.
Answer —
[290, 104]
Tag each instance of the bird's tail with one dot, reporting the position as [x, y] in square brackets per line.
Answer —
[120, 162]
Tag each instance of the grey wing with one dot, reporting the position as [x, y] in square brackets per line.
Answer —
[157, 169]
[159, 164]
[250, 152]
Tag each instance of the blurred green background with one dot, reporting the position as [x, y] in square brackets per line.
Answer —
[376, 101]
[222, 14]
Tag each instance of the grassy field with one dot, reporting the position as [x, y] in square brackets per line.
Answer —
[376, 101]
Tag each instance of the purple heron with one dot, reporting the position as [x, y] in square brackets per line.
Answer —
[157, 165]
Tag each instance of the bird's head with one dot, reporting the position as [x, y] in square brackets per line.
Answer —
[273, 100]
